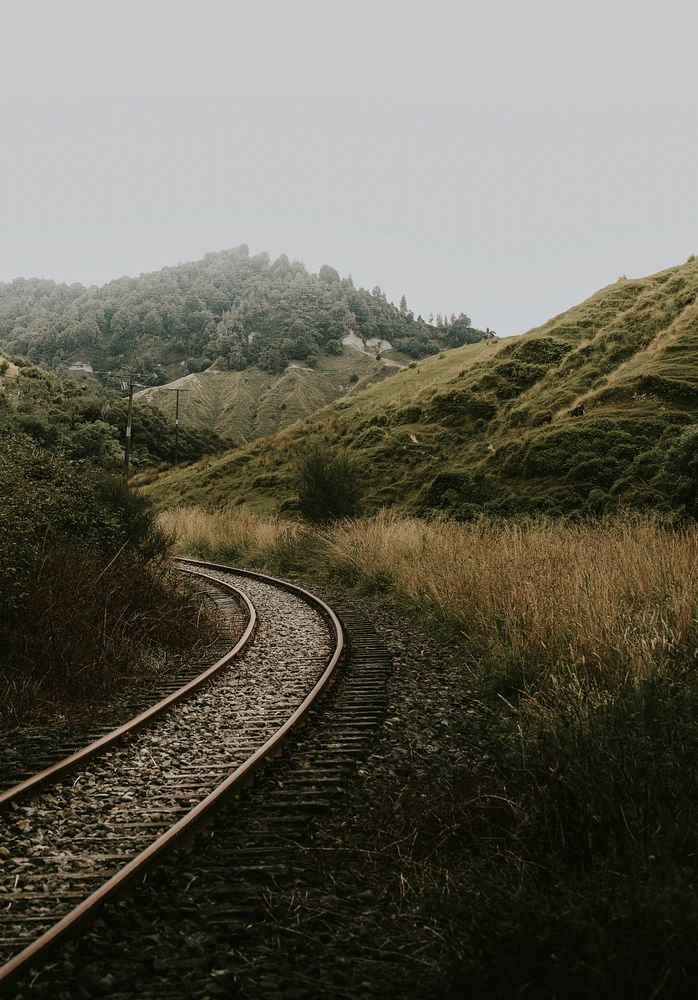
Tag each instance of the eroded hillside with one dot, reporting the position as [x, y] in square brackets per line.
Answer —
[244, 405]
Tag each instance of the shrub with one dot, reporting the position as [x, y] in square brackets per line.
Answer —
[456, 405]
[678, 474]
[538, 350]
[85, 595]
[667, 388]
[408, 414]
[460, 494]
[327, 484]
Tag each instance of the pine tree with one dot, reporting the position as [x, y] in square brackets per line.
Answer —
[403, 305]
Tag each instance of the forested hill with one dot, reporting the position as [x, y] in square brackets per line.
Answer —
[231, 309]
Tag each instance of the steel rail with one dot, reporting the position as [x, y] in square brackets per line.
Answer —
[62, 767]
[183, 830]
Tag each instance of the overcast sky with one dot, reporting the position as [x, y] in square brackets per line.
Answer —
[504, 159]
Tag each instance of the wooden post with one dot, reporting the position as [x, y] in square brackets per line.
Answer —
[129, 417]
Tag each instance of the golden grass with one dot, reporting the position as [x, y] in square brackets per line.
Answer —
[224, 534]
[596, 605]
[575, 788]
[614, 601]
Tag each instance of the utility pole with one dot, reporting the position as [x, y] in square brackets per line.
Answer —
[177, 392]
[129, 416]
[176, 426]
[131, 376]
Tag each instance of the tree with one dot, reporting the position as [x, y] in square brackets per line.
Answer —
[212, 308]
[328, 274]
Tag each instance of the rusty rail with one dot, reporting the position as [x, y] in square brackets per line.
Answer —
[197, 817]
[62, 767]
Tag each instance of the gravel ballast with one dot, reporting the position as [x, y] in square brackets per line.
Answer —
[341, 911]
[70, 838]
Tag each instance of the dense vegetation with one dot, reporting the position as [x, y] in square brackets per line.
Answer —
[327, 484]
[86, 423]
[230, 308]
[87, 596]
[487, 428]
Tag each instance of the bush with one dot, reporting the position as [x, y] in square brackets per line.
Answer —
[47, 503]
[409, 414]
[678, 475]
[327, 484]
[85, 595]
[538, 351]
[456, 405]
[459, 494]
[667, 388]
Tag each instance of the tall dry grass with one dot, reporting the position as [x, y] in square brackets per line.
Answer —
[566, 826]
[610, 602]
[597, 604]
[86, 628]
[237, 535]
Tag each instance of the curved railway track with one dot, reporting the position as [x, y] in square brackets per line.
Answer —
[77, 833]
[34, 750]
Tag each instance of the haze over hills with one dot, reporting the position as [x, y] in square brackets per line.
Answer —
[231, 309]
[487, 427]
[259, 344]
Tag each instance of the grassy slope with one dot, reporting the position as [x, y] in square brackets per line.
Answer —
[248, 404]
[461, 428]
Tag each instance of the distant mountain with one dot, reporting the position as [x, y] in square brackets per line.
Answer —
[489, 427]
[231, 310]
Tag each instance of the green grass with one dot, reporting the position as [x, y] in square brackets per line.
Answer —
[242, 406]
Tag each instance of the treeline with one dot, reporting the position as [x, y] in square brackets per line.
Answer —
[85, 424]
[231, 308]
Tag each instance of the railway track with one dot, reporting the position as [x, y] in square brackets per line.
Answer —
[75, 835]
[33, 751]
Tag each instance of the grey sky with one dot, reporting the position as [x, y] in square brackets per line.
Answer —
[505, 159]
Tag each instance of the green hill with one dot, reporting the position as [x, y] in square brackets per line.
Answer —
[236, 310]
[244, 405]
[469, 431]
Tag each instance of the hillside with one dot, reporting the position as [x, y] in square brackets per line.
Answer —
[242, 406]
[469, 431]
[85, 424]
[232, 309]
